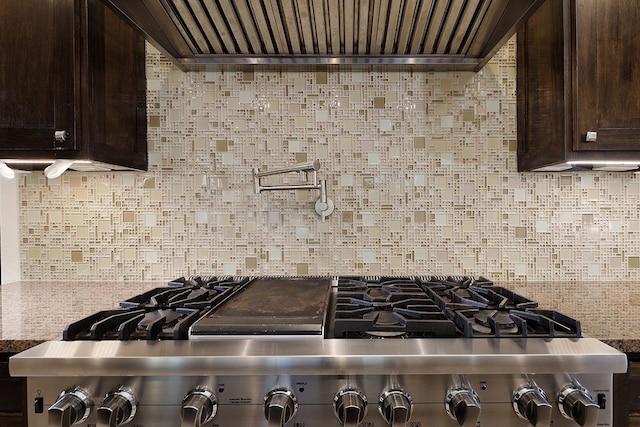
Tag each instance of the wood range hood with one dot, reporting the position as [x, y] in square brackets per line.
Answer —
[436, 35]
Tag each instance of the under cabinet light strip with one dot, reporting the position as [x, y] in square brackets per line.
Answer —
[604, 162]
[39, 161]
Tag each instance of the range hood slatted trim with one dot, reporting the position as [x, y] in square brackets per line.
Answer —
[263, 35]
[217, 23]
[407, 24]
[475, 30]
[320, 43]
[326, 31]
[251, 31]
[465, 26]
[305, 19]
[449, 27]
[207, 36]
[292, 28]
[350, 21]
[435, 28]
[236, 32]
[187, 26]
[419, 30]
[377, 27]
[276, 25]
[490, 21]
[332, 18]
[363, 42]
[394, 26]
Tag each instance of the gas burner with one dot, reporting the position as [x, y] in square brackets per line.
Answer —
[383, 335]
[387, 306]
[379, 335]
[458, 281]
[384, 318]
[486, 310]
[488, 320]
[187, 296]
[162, 313]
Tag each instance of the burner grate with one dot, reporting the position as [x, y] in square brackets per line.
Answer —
[387, 307]
[158, 314]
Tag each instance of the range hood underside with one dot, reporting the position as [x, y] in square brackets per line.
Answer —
[431, 34]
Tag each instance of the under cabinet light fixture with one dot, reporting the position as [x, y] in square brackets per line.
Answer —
[6, 172]
[39, 161]
[604, 162]
[57, 168]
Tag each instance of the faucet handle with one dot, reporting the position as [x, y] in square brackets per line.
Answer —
[324, 209]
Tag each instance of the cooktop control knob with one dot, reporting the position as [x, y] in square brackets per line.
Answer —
[280, 405]
[72, 407]
[395, 406]
[117, 408]
[575, 403]
[198, 407]
[531, 404]
[350, 406]
[463, 405]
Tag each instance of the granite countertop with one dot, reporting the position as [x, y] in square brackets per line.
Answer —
[35, 311]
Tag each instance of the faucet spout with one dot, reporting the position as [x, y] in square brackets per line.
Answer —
[300, 167]
[324, 206]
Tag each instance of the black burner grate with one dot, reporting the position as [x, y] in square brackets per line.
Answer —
[387, 307]
[478, 308]
[439, 307]
[159, 314]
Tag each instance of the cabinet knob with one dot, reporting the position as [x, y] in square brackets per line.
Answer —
[61, 135]
[591, 137]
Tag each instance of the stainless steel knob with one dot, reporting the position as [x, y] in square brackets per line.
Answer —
[280, 405]
[395, 407]
[198, 407]
[60, 135]
[72, 407]
[350, 406]
[463, 405]
[575, 403]
[118, 408]
[531, 404]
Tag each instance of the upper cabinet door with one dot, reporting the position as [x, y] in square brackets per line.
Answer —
[37, 75]
[578, 81]
[607, 44]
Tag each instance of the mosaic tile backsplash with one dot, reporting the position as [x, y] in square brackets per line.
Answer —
[421, 167]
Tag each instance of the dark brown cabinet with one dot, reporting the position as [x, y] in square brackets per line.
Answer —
[72, 85]
[626, 392]
[578, 82]
[13, 396]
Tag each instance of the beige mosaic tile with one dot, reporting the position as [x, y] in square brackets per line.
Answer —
[421, 167]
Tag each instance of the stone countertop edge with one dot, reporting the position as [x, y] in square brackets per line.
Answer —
[630, 345]
[16, 346]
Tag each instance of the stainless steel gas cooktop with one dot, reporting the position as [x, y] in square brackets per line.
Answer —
[317, 351]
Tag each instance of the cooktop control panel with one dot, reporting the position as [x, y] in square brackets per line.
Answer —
[324, 400]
